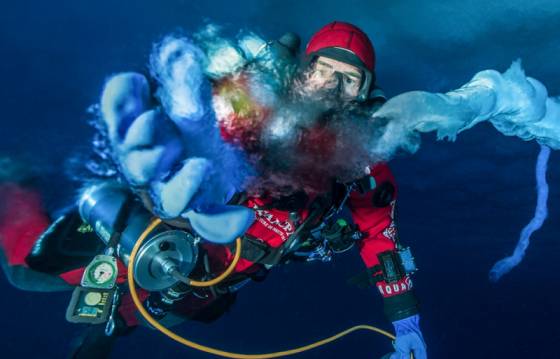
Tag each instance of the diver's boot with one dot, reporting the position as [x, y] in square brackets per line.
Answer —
[95, 344]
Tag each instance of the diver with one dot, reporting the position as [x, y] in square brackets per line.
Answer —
[88, 247]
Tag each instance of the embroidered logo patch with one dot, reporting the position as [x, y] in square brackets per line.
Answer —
[283, 228]
[391, 232]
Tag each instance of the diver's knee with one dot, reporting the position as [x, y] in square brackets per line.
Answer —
[124, 97]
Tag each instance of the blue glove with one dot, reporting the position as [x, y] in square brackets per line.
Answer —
[409, 339]
[174, 152]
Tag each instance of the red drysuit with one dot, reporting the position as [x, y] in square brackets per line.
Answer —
[22, 220]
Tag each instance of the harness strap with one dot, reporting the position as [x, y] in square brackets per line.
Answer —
[256, 251]
[322, 207]
[367, 278]
[120, 222]
[366, 184]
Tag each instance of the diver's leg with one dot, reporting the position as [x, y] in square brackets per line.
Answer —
[36, 255]
[205, 310]
[22, 220]
[94, 343]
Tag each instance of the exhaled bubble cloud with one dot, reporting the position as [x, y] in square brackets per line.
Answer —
[506, 264]
[250, 92]
[515, 104]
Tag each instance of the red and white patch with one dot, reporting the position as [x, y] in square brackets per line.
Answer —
[391, 232]
[389, 290]
[283, 228]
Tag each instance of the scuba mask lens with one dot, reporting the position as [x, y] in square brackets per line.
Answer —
[348, 86]
[345, 85]
[341, 85]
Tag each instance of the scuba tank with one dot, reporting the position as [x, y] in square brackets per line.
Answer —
[119, 219]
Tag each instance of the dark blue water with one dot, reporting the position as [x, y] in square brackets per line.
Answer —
[461, 204]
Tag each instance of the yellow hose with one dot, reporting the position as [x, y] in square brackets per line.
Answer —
[225, 274]
[134, 294]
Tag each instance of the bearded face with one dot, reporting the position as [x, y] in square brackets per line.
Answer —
[306, 135]
[326, 77]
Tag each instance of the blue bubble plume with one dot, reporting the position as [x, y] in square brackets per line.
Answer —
[506, 264]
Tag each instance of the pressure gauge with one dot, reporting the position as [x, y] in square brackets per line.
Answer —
[101, 273]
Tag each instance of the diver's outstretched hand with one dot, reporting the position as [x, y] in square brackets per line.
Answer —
[409, 339]
[148, 146]
[140, 134]
[163, 156]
